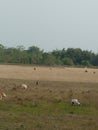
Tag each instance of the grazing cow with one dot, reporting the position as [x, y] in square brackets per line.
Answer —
[24, 86]
[94, 72]
[37, 82]
[86, 70]
[34, 68]
[75, 102]
[2, 95]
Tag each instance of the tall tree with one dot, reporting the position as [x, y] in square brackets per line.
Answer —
[35, 54]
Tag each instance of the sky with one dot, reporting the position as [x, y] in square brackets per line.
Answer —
[49, 24]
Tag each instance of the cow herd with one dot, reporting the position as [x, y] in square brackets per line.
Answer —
[3, 95]
[74, 102]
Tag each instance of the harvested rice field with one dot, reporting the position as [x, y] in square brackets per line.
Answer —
[46, 103]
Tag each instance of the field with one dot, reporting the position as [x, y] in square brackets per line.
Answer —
[47, 105]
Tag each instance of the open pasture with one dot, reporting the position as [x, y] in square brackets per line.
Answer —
[47, 105]
[49, 73]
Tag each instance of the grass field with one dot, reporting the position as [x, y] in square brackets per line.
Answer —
[47, 106]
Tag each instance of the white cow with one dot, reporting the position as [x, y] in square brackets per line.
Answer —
[2, 95]
[75, 102]
[24, 86]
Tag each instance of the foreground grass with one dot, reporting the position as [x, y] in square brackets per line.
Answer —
[48, 108]
[57, 116]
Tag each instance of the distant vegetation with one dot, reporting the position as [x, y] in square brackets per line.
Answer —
[34, 55]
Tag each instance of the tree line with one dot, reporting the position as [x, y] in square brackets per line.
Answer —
[34, 55]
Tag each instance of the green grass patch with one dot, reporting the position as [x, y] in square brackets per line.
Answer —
[48, 108]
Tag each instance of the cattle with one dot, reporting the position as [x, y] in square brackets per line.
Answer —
[37, 82]
[86, 71]
[75, 102]
[21, 86]
[34, 68]
[24, 86]
[2, 95]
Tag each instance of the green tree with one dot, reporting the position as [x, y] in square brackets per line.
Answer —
[49, 59]
[75, 55]
[95, 60]
[67, 61]
[35, 55]
[2, 50]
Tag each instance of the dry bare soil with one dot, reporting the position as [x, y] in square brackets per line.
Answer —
[47, 105]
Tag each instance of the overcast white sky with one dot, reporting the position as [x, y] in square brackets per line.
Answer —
[49, 24]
